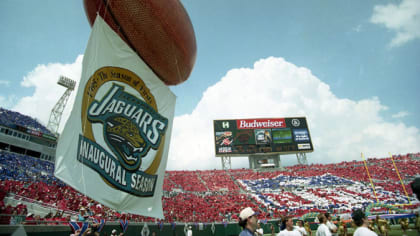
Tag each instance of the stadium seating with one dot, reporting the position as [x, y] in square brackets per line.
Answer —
[217, 195]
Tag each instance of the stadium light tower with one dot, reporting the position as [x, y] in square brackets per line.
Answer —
[57, 111]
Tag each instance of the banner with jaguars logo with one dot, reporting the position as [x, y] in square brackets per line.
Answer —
[114, 146]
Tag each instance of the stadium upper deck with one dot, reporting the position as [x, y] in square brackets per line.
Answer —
[11, 119]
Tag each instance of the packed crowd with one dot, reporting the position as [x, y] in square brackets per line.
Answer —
[216, 195]
[300, 195]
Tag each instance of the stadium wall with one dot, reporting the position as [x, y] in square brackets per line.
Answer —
[20, 140]
[133, 229]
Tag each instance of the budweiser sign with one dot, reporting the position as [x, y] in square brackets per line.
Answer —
[261, 123]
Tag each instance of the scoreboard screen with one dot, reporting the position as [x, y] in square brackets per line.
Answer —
[263, 135]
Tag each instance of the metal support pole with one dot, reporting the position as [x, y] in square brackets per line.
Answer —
[301, 158]
[226, 162]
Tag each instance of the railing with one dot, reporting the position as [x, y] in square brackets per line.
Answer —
[30, 201]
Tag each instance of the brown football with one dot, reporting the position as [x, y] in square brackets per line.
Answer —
[159, 31]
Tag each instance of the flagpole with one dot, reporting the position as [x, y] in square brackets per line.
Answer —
[371, 182]
[402, 183]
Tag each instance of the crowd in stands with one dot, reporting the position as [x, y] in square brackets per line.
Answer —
[217, 195]
[16, 167]
[190, 207]
[10, 118]
[187, 180]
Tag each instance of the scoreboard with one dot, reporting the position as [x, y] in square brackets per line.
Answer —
[262, 136]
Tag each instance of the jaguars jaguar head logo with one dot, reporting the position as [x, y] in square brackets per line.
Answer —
[130, 126]
[125, 140]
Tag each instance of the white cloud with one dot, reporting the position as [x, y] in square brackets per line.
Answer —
[400, 114]
[4, 83]
[340, 128]
[7, 102]
[47, 92]
[404, 19]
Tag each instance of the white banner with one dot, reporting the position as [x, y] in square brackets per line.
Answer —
[114, 146]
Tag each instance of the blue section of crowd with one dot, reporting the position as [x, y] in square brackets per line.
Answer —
[25, 168]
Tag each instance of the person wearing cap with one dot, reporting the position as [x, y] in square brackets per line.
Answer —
[82, 215]
[248, 221]
[189, 231]
[362, 223]
[114, 232]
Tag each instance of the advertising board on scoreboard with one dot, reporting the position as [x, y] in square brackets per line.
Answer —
[262, 135]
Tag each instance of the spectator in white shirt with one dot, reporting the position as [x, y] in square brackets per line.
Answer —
[259, 231]
[300, 228]
[189, 231]
[288, 231]
[331, 226]
[362, 223]
[322, 228]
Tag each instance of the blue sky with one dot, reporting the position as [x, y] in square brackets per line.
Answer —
[361, 50]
